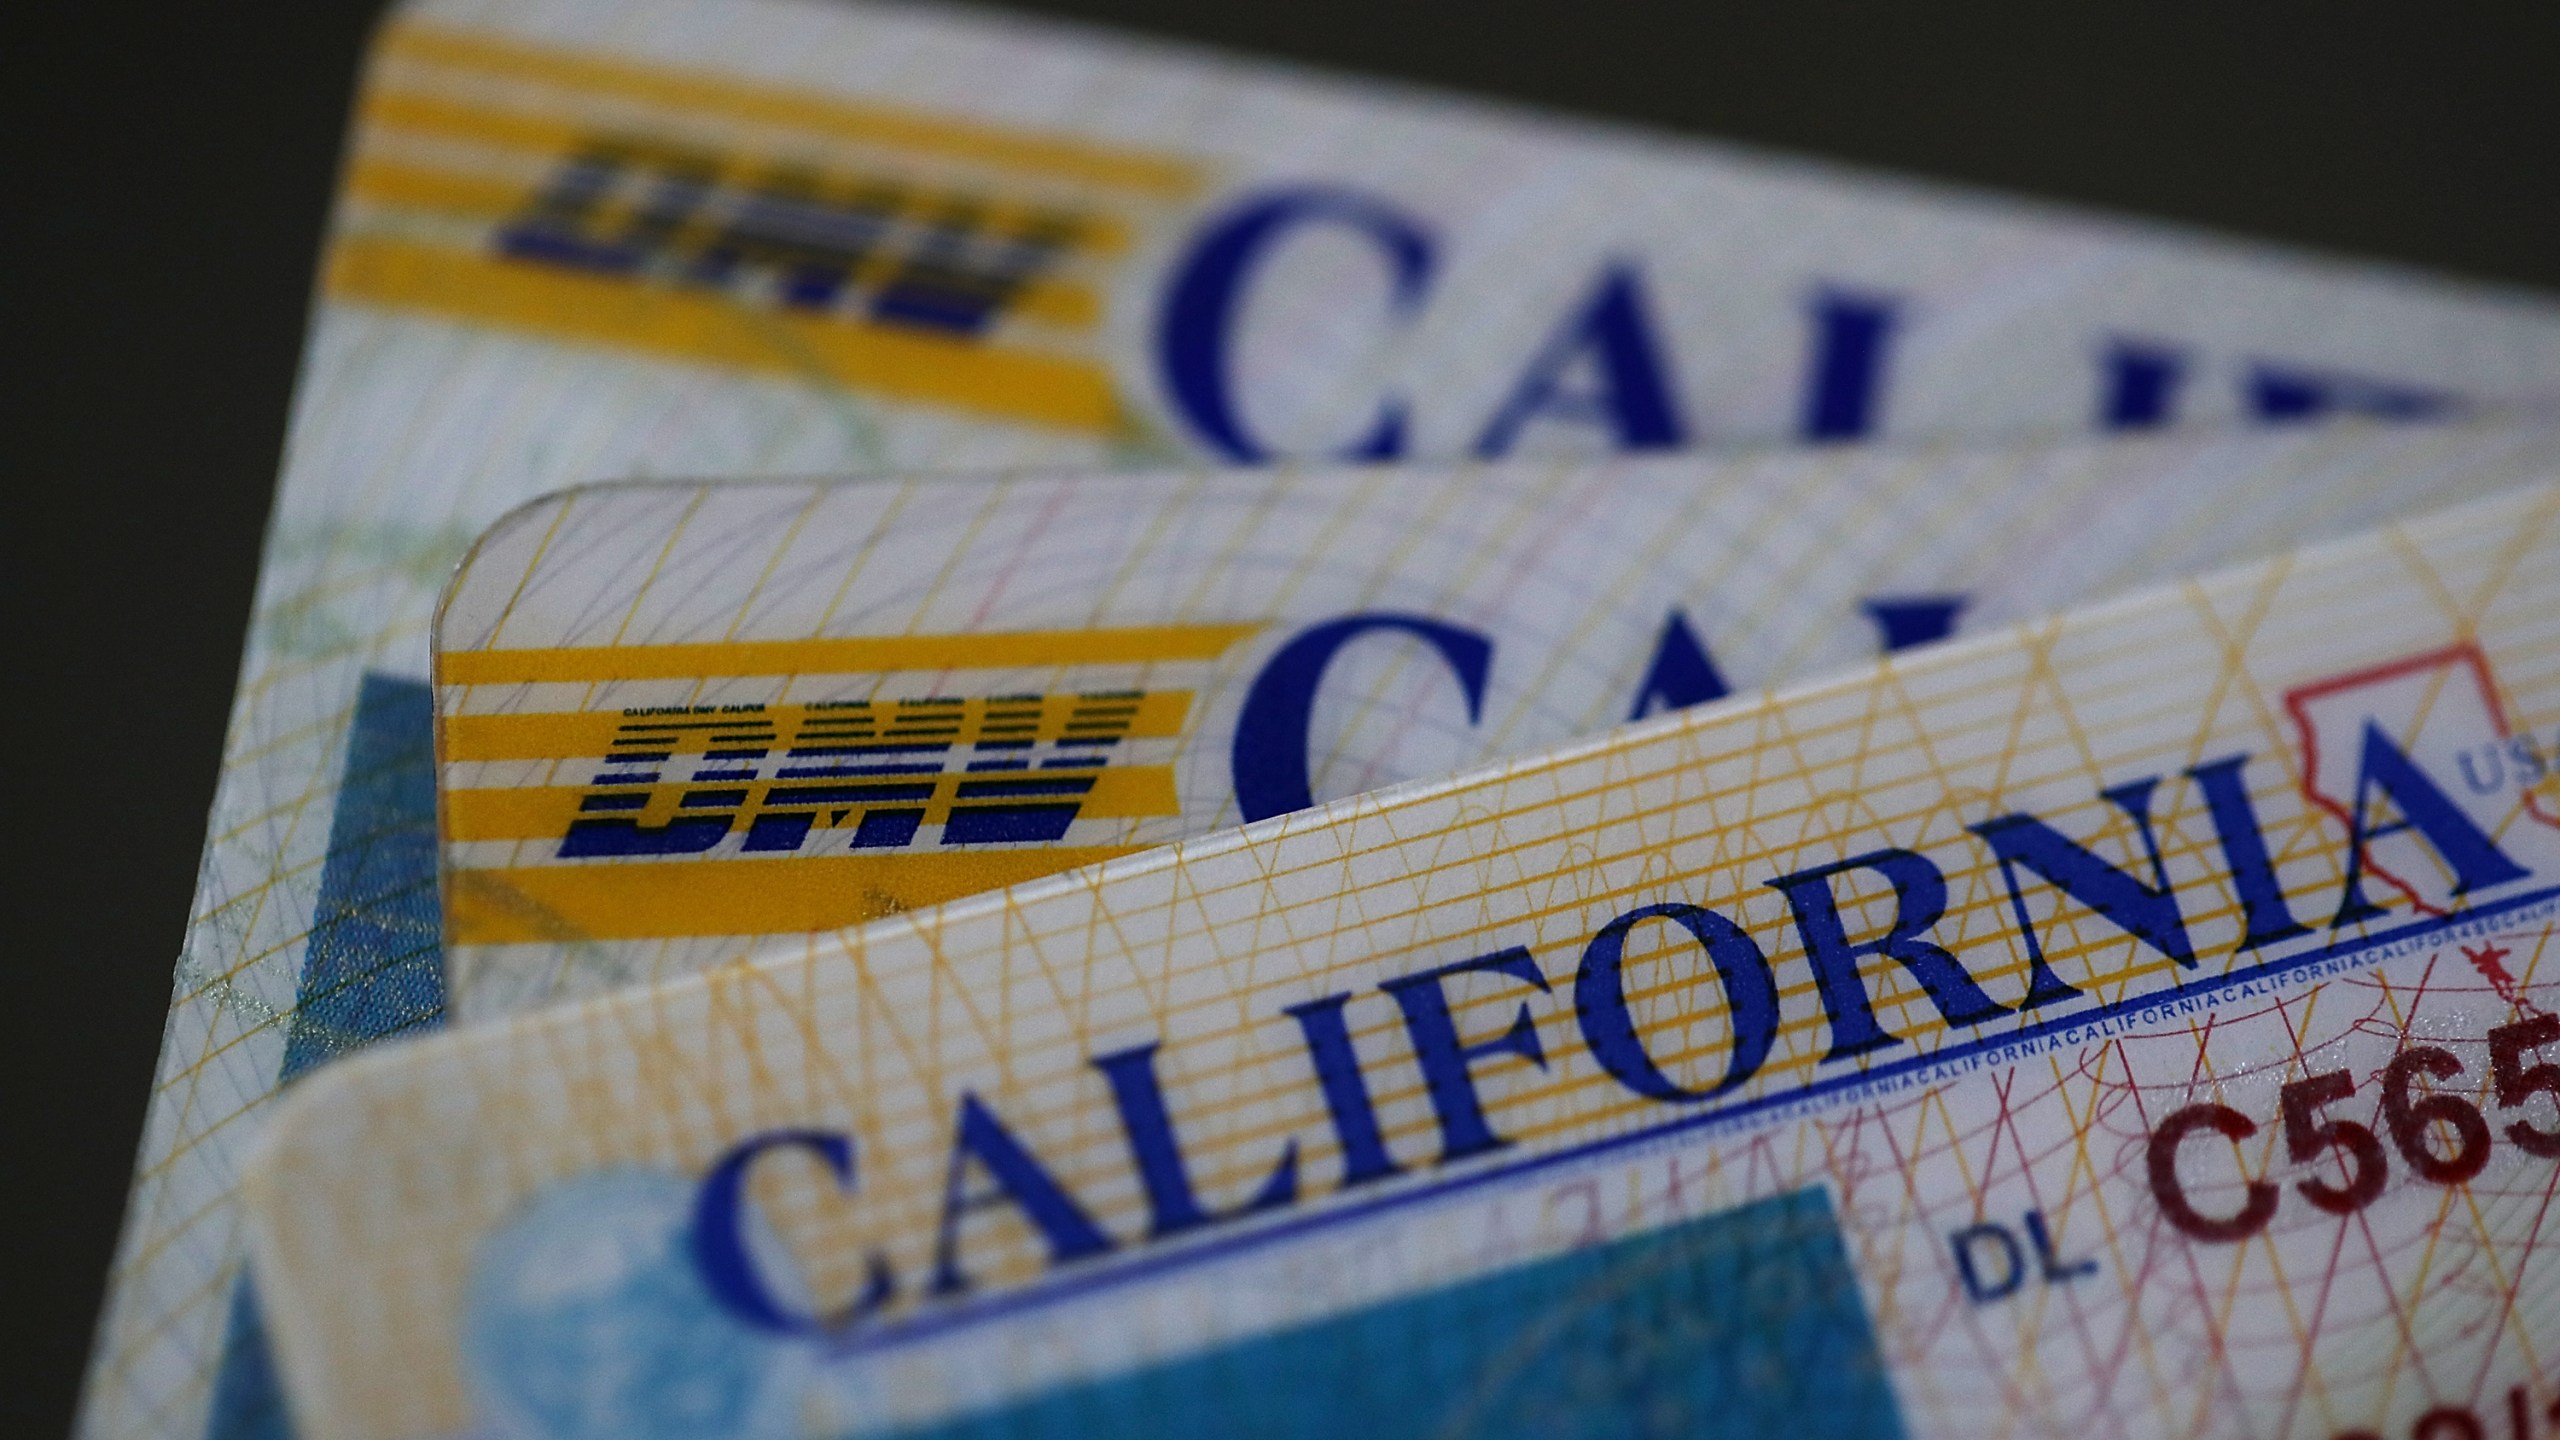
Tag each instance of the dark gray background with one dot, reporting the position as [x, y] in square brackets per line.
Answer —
[167, 172]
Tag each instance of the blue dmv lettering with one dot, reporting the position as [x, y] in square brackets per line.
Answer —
[1721, 975]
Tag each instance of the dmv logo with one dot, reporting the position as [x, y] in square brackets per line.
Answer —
[874, 245]
[665, 808]
[1009, 769]
[773, 231]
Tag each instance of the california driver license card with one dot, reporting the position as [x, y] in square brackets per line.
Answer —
[671, 715]
[2139, 1021]
[583, 240]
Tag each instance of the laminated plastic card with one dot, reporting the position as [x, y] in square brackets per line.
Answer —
[2135, 1022]
[580, 240]
[674, 715]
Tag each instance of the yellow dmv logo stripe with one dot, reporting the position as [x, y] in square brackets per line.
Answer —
[861, 654]
[681, 92]
[540, 812]
[660, 900]
[702, 325]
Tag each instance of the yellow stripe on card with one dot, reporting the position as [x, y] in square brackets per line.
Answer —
[544, 812]
[704, 326]
[851, 655]
[449, 192]
[582, 76]
[657, 900]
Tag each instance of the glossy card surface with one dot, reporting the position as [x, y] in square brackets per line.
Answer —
[2131, 1022]
[580, 240]
[671, 716]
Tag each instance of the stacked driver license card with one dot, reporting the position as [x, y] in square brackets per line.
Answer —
[2140, 1021]
[581, 240]
[671, 716]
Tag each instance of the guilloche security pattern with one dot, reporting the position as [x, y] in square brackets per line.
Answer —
[674, 715]
[2132, 1022]
[579, 240]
